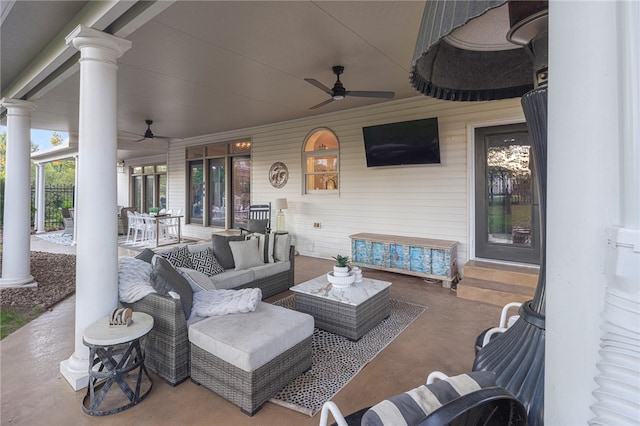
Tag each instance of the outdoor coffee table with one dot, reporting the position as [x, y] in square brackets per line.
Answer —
[115, 353]
[350, 311]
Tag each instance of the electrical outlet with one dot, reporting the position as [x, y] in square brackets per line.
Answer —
[316, 224]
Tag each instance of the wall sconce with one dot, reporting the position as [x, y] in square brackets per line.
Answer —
[280, 204]
[120, 167]
[243, 146]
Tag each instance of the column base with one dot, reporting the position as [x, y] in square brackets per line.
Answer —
[26, 282]
[78, 379]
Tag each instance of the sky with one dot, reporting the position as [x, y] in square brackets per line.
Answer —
[42, 138]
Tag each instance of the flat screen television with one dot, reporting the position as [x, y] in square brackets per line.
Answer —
[404, 143]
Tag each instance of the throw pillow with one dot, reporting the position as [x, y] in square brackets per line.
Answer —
[221, 249]
[281, 247]
[196, 279]
[204, 261]
[263, 245]
[146, 255]
[413, 406]
[246, 254]
[165, 278]
[271, 239]
[178, 256]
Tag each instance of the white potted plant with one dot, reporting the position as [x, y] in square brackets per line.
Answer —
[341, 269]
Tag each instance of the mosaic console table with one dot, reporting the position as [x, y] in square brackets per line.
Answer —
[422, 257]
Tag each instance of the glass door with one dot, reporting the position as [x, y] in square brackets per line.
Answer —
[149, 192]
[507, 222]
[241, 189]
[137, 193]
[217, 181]
[196, 180]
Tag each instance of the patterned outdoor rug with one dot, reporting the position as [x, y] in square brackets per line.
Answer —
[57, 237]
[336, 359]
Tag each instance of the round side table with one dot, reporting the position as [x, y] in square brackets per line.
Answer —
[116, 353]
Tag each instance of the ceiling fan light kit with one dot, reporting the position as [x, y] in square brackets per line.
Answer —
[338, 92]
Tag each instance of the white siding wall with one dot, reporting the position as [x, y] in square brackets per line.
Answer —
[425, 201]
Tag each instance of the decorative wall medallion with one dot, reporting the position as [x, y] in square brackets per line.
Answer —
[278, 174]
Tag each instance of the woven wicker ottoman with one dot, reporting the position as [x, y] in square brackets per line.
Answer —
[349, 312]
[247, 358]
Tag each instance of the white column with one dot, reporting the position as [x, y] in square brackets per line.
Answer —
[95, 221]
[40, 201]
[584, 193]
[76, 160]
[16, 240]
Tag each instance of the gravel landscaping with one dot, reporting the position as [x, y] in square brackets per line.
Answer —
[56, 278]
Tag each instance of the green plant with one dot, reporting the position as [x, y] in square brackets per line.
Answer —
[154, 210]
[341, 260]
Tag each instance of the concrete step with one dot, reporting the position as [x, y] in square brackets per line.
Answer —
[495, 293]
[526, 276]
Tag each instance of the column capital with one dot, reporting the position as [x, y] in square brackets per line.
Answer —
[112, 47]
[18, 104]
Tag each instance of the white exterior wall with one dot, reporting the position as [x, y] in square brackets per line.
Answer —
[431, 201]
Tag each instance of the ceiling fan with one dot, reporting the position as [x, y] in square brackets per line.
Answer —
[338, 92]
[149, 134]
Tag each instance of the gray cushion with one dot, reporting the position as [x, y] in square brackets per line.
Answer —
[178, 256]
[165, 278]
[250, 340]
[231, 278]
[146, 255]
[269, 269]
[413, 406]
[196, 279]
[221, 249]
[257, 225]
[246, 254]
[205, 262]
[281, 247]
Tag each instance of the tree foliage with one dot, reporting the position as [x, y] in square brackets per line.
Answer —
[512, 159]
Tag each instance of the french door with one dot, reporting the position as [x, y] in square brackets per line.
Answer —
[507, 220]
[217, 197]
[196, 193]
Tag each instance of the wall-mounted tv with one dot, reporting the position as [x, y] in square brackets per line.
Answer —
[404, 143]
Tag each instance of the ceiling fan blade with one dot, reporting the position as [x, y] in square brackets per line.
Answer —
[321, 104]
[319, 85]
[370, 94]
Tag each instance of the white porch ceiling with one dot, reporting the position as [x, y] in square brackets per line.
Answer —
[209, 66]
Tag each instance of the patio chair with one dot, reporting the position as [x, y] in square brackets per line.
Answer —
[464, 400]
[67, 219]
[506, 321]
[135, 228]
[259, 219]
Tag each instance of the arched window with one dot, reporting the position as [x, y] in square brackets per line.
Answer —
[320, 162]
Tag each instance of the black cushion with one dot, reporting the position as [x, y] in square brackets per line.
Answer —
[165, 278]
[146, 255]
[257, 225]
[222, 251]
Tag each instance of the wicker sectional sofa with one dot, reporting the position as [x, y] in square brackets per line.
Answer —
[167, 347]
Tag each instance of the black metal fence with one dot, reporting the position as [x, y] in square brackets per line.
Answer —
[55, 197]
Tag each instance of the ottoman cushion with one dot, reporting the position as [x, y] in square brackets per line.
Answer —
[250, 340]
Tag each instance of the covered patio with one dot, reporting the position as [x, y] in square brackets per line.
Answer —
[240, 71]
[442, 338]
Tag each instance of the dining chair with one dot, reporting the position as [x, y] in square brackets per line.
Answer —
[133, 228]
[149, 230]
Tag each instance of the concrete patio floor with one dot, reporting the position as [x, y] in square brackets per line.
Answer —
[34, 392]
